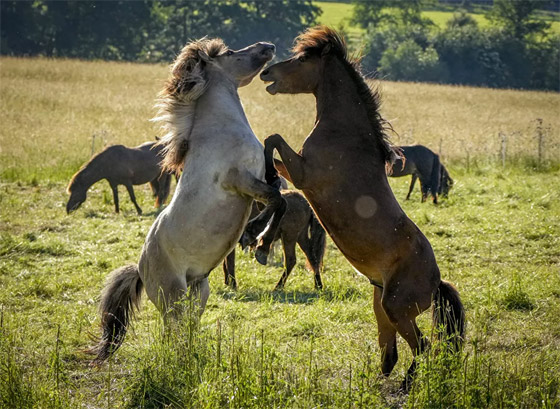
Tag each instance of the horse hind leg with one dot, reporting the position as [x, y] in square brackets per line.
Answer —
[402, 312]
[289, 247]
[314, 258]
[228, 266]
[133, 197]
[387, 335]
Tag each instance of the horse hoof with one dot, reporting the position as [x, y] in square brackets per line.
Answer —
[261, 256]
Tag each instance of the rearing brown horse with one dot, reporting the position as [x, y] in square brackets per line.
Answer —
[341, 171]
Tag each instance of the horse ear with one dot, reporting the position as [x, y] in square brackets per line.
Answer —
[203, 56]
[326, 49]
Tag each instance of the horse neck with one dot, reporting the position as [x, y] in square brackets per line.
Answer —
[90, 174]
[221, 101]
[341, 107]
[337, 96]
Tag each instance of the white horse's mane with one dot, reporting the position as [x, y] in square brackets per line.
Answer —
[176, 102]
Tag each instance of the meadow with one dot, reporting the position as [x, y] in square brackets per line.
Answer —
[497, 238]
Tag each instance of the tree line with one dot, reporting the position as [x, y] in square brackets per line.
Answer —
[145, 30]
[516, 50]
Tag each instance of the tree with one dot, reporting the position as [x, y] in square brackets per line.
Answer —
[517, 16]
[239, 23]
[375, 13]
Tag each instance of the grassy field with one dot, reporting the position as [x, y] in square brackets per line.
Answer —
[497, 238]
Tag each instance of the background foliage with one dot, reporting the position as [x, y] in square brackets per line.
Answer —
[399, 39]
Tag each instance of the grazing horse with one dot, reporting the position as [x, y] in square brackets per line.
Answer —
[121, 166]
[341, 169]
[209, 138]
[298, 226]
[445, 182]
[423, 164]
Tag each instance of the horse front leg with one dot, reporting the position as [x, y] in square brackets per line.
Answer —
[115, 189]
[292, 166]
[246, 184]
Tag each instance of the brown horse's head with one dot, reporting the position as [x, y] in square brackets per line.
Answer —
[77, 195]
[301, 72]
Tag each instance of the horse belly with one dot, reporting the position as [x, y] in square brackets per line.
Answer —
[199, 234]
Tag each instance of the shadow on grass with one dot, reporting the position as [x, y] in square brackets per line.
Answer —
[287, 297]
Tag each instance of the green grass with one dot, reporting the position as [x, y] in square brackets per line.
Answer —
[497, 238]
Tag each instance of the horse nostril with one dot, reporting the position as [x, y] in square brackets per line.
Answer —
[265, 72]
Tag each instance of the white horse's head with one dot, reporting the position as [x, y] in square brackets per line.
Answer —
[240, 66]
[194, 69]
[191, 69]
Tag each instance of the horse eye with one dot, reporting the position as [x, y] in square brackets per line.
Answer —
[301, 59]
[229, 52]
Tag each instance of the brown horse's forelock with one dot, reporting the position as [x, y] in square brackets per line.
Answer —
[312, 42]
[186, 84]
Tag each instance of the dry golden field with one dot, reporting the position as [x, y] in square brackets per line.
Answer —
[56, 112]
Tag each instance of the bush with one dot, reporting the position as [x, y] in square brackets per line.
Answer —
[409, 62]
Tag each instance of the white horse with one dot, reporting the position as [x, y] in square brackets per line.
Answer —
[209, 138]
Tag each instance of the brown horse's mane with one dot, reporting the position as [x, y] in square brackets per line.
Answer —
[324, 40]
[175, 103]
[76, 177]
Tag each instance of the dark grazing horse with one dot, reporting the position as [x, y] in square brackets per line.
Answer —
[423, 164]
[121, 166]
[298, 226]
[445, 182]
[341, 170]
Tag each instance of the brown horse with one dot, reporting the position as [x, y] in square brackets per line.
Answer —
[341, 170]
[121, 166]
[298, 226]
[423, 164]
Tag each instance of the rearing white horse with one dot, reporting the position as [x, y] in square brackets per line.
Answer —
[209, 138]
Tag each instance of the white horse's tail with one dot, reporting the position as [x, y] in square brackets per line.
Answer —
[118, 300]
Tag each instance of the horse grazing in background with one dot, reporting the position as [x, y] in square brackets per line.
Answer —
[423, 164]
[298, 226]
[341, 169]
[445, 182]
[121, 166]
[209, 138]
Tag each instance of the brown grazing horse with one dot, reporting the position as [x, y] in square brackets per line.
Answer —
[341, 170]
[121, 166]
[420, 162]
[298, 226]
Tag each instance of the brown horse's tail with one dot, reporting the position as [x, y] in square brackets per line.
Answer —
[449, 311]
[164, 186]
[118, 300]
[317, 241]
